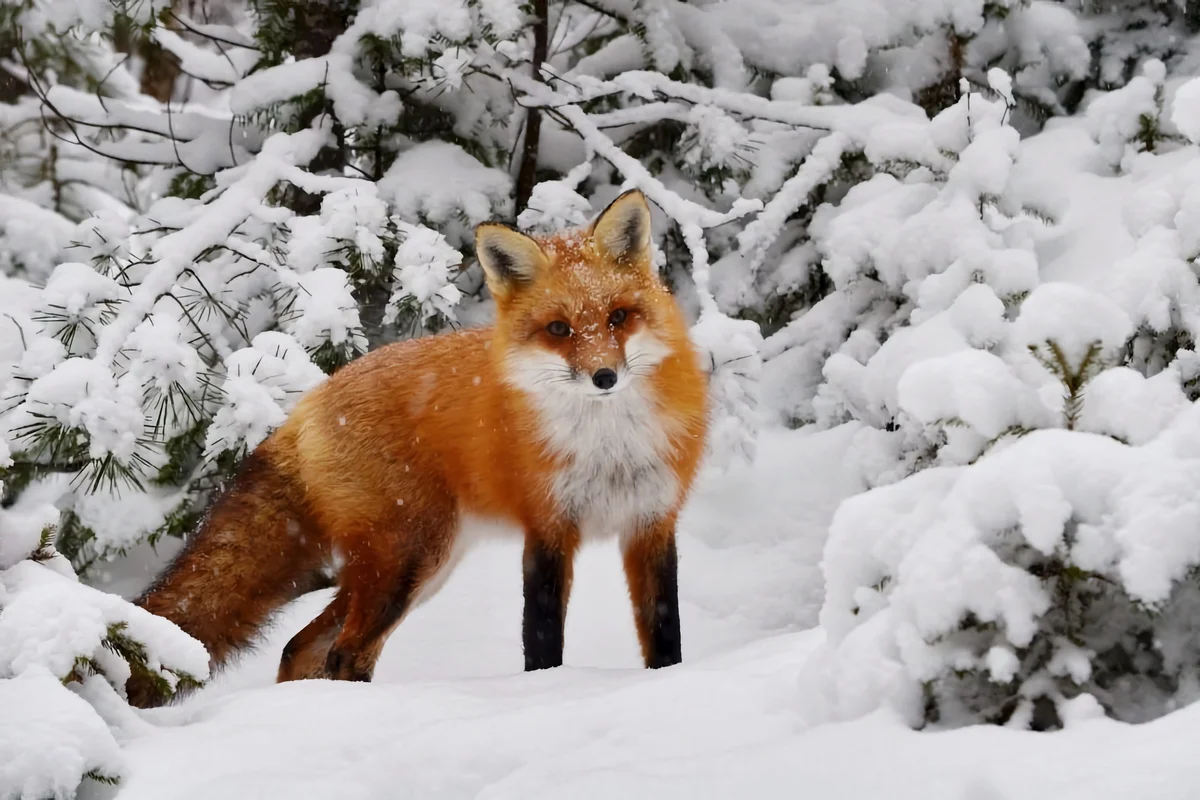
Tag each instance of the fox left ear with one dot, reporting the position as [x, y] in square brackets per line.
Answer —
[509, 258]
[622, 231]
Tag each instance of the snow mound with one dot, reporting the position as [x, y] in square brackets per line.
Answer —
[51, 740]
[967, 581]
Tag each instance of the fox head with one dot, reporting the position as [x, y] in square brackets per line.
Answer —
[583, 311]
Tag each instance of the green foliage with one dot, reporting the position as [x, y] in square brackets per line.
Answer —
[45, 548]
[133, 652]
[190, 186]
[99, 777]
[1074, 377]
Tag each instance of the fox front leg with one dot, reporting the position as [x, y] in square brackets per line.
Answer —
[548, 569]
[651, 569]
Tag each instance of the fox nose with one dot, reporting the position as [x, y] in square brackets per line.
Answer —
[604, 378]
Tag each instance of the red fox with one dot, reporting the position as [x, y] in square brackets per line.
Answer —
[580, 413]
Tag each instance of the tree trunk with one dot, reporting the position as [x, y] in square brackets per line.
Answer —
[315, 24]
[527, 176]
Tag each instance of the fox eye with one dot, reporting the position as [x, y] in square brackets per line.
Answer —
[617, 317]
[558, 328]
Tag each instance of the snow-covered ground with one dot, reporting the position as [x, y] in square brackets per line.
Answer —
[451, 714]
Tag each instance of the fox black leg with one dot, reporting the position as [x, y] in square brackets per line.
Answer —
[547, 571]
[652, 571]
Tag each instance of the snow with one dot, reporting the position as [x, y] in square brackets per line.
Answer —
[277, 84]
[23, 524]
[264, 382]
[1074, 319]
[1114, 118]
[242, 195]
[425, 270]
[50, 619]
[451, 715]
[436, 181]
[324, 310]
[1185, 110]
[587, 736]
[1124, 404]
[730, 349]
[973, 386]
[124, 516]
[196, 61]
[554, 205]
[50, 739]
[161, 359]
[945, 544]
[78, 294]
[817, 169]
[81, 393]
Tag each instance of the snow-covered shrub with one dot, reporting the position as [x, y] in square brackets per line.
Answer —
[1046, 574]
[1055, 577]
[425, 291]
[924, 259]
[52, 741]
[1033, 558]
[1128, 121]
[66, 652]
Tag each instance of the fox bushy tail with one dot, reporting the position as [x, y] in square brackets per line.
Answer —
[255, 551]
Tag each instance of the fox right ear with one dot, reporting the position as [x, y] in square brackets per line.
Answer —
[509, 258]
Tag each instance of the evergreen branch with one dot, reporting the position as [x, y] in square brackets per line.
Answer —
[191, 27]
[45, 549]
[99, 777]
[596, 6]
[634, 172]
[849, 119]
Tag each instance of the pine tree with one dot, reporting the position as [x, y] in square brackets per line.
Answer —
[1015, 583]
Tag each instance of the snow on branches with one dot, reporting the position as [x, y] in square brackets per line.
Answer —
[66, 652]
[1029, 555]
[149, 366]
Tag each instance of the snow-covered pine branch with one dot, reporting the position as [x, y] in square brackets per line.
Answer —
[1032, 561]
[66, 651]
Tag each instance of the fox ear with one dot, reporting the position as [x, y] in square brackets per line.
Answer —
[509, 258]
[622, 231]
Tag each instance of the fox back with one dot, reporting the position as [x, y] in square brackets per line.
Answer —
[580, 413]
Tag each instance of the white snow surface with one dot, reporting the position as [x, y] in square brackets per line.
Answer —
[50, 739]
[450, 714]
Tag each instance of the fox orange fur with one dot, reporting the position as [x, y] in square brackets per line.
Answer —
[580, 413]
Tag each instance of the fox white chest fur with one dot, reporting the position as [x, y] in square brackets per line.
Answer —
[614, 446]
[616, 474]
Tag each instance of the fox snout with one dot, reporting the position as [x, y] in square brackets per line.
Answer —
[599, 362]
[612, 367]
[604, 378]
